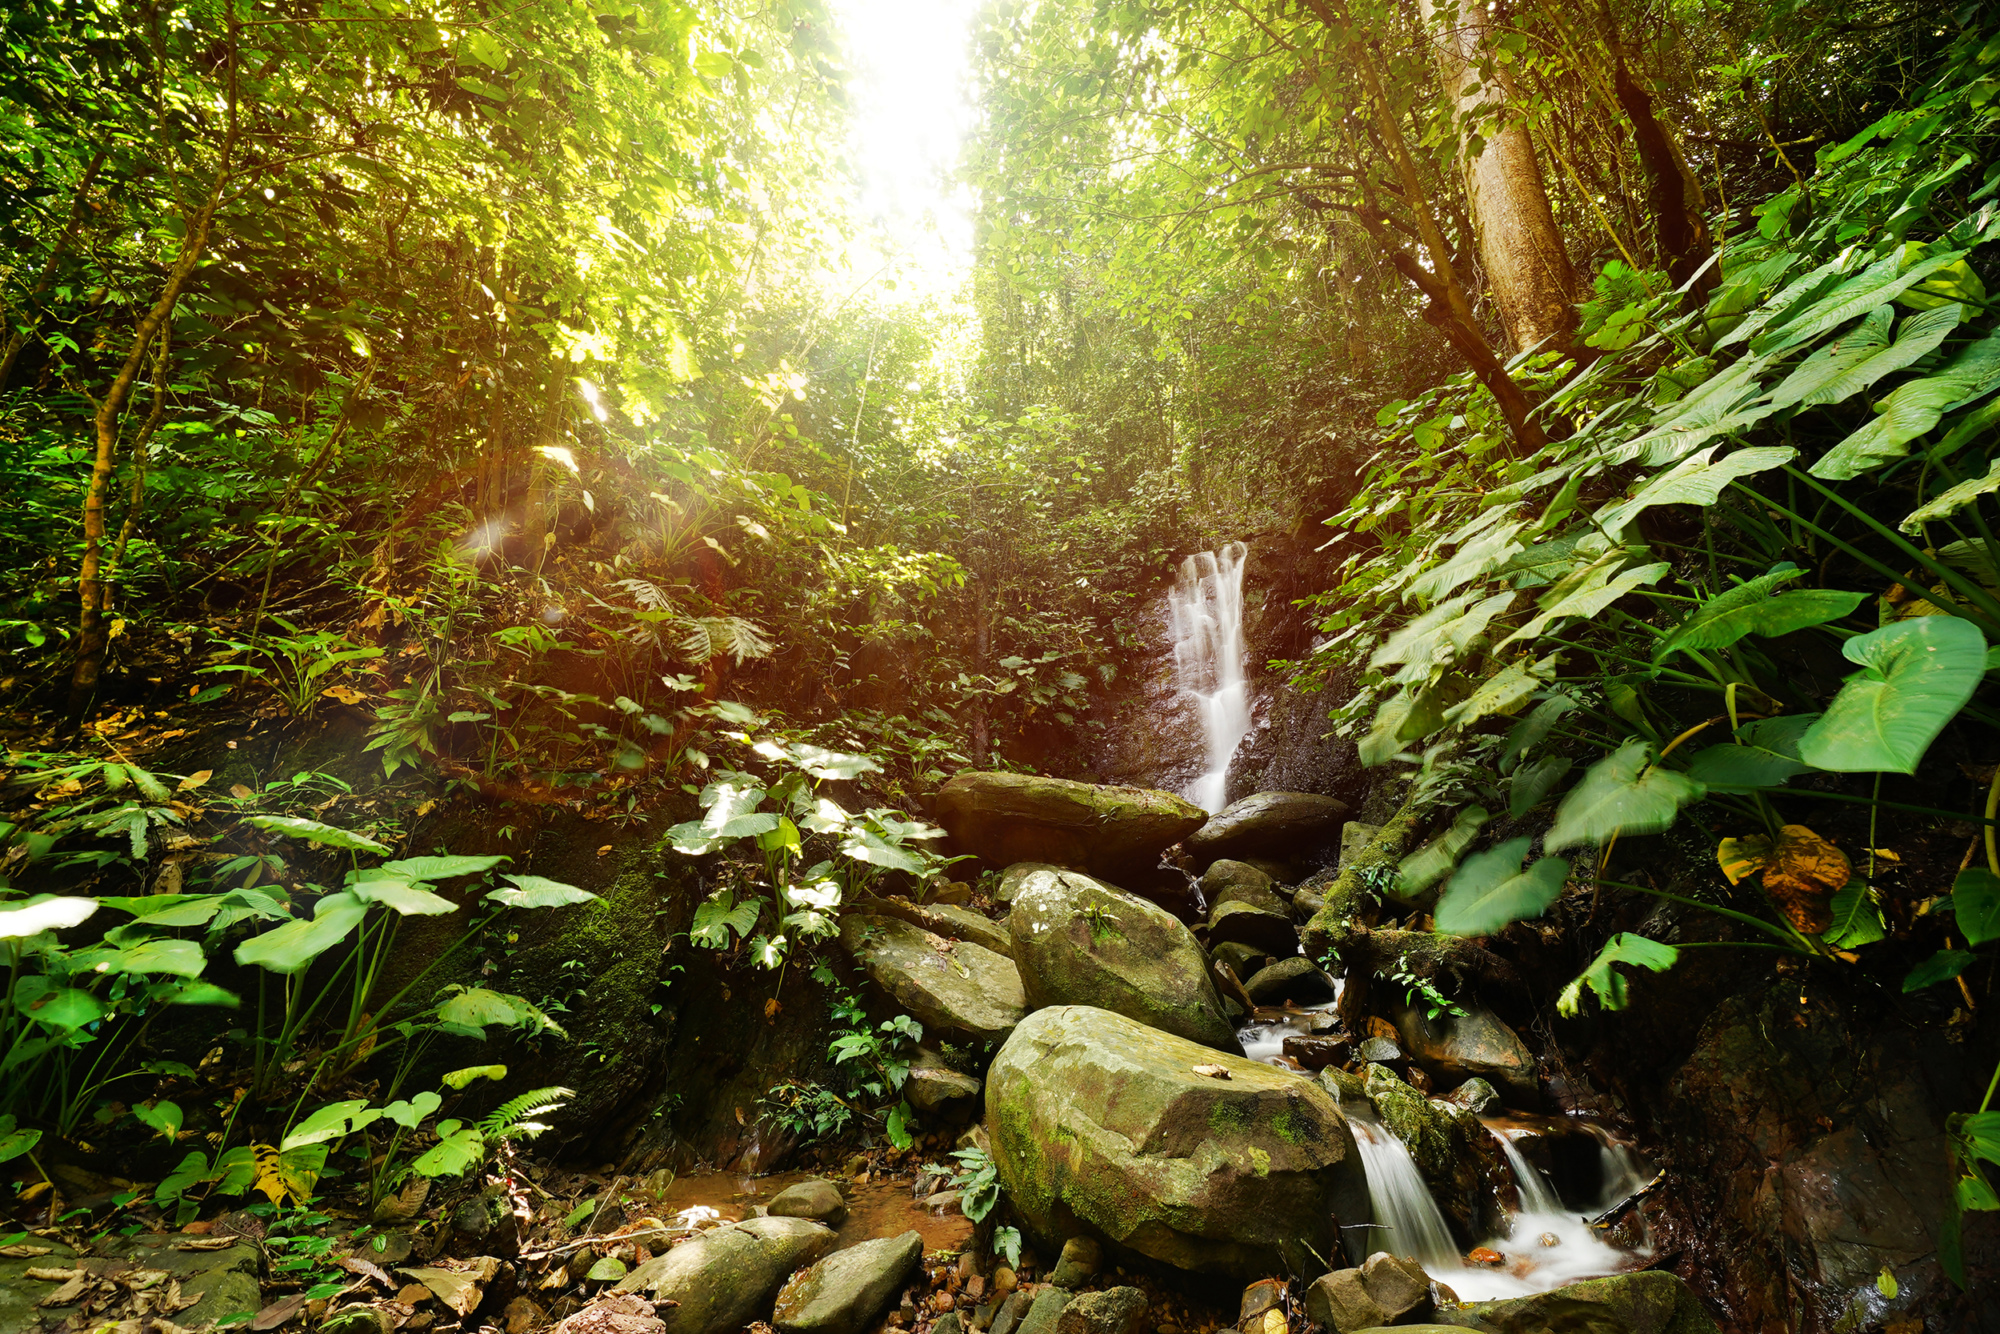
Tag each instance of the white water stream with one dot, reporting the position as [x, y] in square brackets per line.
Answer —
[1207, 605]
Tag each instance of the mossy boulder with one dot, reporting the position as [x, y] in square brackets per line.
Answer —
[1459, 1162]
[1104, 1126]
[1653, 1302]
[1475, 1044]
[721, 1280]
[950, 920]
[1079, 941]
[1267, 825]
[953, 985]
[1247, 924]
[1241, 882]
[1006, 818]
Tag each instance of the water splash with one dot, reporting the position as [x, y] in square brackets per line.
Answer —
[1407, 1219]
[1263, 1038]
[1207, 604]
[1537, 1195]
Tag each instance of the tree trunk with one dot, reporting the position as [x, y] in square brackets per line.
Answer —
[1526, 266]
[1673, 193]
[18, 339]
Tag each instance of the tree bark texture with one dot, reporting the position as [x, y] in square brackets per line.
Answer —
[1527, 268]
[1673, 193]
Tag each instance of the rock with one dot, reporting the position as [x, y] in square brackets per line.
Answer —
[953, 985]
[723, 1279]
[1260, 1297]
[1306, 904]
[813, 1198]
[1456, 966]
[1651, 1302]
[1007, 818]
[222, 1294]
[1355, 837]
[1380, 1051]
[845, 1292]
[945, 1202]
[1455, 1154]
[1046, 1311]
[1079, 1262]
[1112, 1311]
[1102, 1124]
[975, 1137]
[1316, 1051]
[1475, 1096]
[1238, 882]
[618, 1314]
[1266, 824]
[1271, 932]
[943, 919]
[1295, 979]
[948, 1323]
[1382, 1291]
[520, 1317]
[369, 1320]
[931, 1088]
[1080, 941]
[1243, 960]
[1012, 1310]
[1476, 1044]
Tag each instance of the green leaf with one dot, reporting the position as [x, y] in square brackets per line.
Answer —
[192, 1171]
[334, 1121]
[1532, 785]
[477, 1007]
[833, 764]
[1491, 890]
[160, 1115]
[485, 48]
[1910, 410]
[1534, 729]
[1947, 503]
[1916, 675]
[1473, 560]
[288, 948]
[1980, 1134]
[1766, 756]
[410, 1114]
[312, 831]
[533, 891]
[1502, 692]
[1852, 348]
[1870, 288]
[1751, 608]
[1604, 979]
[1621, 794]
[65, 1008]
[608, 1270]
[433, 869]
[398, 894]
[43, 912]
[1435, 860]
[1590, 595]
[718, 915]
[1855, 920]
[1940, 967]
[1693, 481]
[1975, 901]
[863, 844]
[180, 958]
[458, 1079]
[1838, 377]
[449, 1157]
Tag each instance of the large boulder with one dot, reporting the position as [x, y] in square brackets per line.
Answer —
[1103, 1125]
[1652, 1302]
[721, 1280]
[1267, 825]
[1474, 1045]
[845, 1292]
[1007, 818]
[1296, 979]
[1079, 941]
[1241, 882]
[1383, 1290]
[1234, 921]
[950, 920]
[952, 985]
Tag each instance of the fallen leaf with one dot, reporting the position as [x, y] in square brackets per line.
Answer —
[278, 1312]
[25, 1252]
[1801, 872]
[204, 1243]
[50, 1274]
[605, 849]
[67, 1293]
[771, 1008]
[426, 807]
[238, 791]
[1212, 1071]
[345, 694]
[404, 1205]
[194, 780]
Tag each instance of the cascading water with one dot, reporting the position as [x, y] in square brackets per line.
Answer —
[1407, 1219]
[1537, 1196]
[1207, 604]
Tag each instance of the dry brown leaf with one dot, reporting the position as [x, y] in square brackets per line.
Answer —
[345, 694]
[194, 780]
[238, 791]
[51, 1274]
[25, 1252]
[1212, 1071]
[1801, 872]
[68, 1292]
[204, 1243]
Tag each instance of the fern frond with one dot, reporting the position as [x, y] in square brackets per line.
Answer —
[509, 1118]
[740, 638]
[647, 594]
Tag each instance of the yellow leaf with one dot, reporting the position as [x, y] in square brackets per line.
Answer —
[195, 780]
[294, 1174]
[1801, 872]
[345, 694]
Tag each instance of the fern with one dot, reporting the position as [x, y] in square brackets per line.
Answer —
[509, 1119]
[708, 636]
[647, 594]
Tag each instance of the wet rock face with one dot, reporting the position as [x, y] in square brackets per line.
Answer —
[1811, 1147]
[1475, 1045]
[953, 985]
[1452, 1150]
[1267, 824]
[1103, 1125]
[1006, 818]
[1243, 883]
[725, 1278]
[1647, 1303]
[1080, 941]
[845, 1292]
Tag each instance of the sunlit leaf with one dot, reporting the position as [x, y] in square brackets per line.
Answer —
[1767, 755]
[1916, 675]
[1801, 871]
[43, 912]
[288, 948]
[333, 1121]
[533, 891]
[1491, 890]
[312, 831]
[1604, 978]
[1435, 860]
[1621, 794]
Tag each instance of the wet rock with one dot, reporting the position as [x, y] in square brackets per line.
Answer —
[1563, 1150]
[949, 920]
[1296, 979]
[1476, 1044]
[1317, 1051]
[1306, 903]
[1078, 1263]
[619, 1314]
[1013, 1309]
[813, 1198]
[1243, 960]
[1653, 1302]
[1457, 967]
[1271, 932]
[948, 1323]
[953, 985]
[1475, 1096]
[846, 1291]
[1454, 1153]
[934, 1089]
[1112, 1311]
[1104, 1125]
[1355, 836]
[1266, 824]
[1080, 941]
[1380, 1051]
[1260, 1297]
[1238, 882]
[724, 1278]
[1045, 1313]
[1383, 1290]
[521, 1316]
[1007, 818]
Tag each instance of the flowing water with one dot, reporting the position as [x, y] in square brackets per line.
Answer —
[1537, 1195]
[1407, 1221]
[1263, 1038]
[1207, 605]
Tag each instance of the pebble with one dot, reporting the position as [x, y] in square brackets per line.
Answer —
[1485, 1255]
[1004, 1282]
[1548, 1239]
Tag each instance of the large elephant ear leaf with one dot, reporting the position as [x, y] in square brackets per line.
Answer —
[1915, 676]
[312, 831]
[1433, 861]
[1491, 890]
[1753, 608]
[1948, 503]
[1623, 793]
[1609, 984]
[1765, 754]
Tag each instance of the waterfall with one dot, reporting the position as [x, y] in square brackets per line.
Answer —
[1537, 1196]
[1407, 1219]
[1207, 603]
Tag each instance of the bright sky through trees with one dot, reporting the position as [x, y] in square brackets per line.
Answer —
[910, 114]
